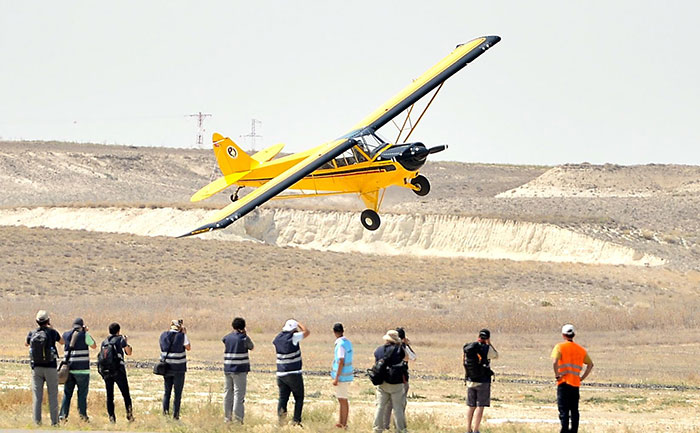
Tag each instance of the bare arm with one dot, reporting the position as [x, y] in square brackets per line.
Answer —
[589, 367]
[303, 329]
[127, 349]
[556, 369]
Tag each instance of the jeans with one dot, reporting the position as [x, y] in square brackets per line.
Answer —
[123, 384]
[294, 384]
[567, 401]
[48, 375]
[395, 393]
[83, 383]
[234, 395]
[176, 380]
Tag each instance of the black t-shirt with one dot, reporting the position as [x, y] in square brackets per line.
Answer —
[54, 337]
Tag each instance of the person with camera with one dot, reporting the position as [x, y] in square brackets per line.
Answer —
[568, 359]
[174, 345]
[42, 356]
[289, 378]
[236, 368]
[115, 346]
[78, 343]
[393, 356]
[410, 356]
[477, 358]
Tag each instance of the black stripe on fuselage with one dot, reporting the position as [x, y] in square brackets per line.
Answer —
[363, 170]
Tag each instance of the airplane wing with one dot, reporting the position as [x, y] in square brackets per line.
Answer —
[459, 58]
[237, 209]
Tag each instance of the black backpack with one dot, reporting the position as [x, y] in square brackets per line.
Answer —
[476, 366]
[40, 348]
[378, 374]
[108, 361]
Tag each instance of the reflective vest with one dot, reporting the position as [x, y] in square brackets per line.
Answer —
[176, 357]
[288, 354]
[79, 356]
[346, 373]
[236, 353]
[570, 365]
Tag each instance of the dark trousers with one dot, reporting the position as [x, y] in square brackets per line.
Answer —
[567, 401]
[83, 383]
[123, 384]
[176, 380]
[294, 384]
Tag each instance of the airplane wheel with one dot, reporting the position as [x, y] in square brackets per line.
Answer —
[370, 219]
[423, 185]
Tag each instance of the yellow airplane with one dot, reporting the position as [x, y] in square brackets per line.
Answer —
[360, 162]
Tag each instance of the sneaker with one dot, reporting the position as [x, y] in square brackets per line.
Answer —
[112, 419]
[130, 417]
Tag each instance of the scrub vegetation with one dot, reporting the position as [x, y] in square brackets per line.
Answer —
[640, 324]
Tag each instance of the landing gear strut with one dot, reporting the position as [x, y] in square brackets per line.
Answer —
[234, 196]
[370, 219]
[422, 184]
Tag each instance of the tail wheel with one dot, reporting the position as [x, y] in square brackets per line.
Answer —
[423, 185]
[370, 219]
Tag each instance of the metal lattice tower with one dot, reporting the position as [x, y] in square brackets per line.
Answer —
[252, 135]
[200, 125]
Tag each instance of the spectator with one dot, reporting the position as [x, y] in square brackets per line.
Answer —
[173, 346]
[42, 356]
[289, 377]
[77, 354]
[236, 368]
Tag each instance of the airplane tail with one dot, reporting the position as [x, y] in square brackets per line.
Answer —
[230, 157]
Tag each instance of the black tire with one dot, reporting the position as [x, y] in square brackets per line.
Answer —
[370, 219]
[423, 185]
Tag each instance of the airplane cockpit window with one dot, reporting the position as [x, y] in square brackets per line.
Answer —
[371, 143]
[346, 158]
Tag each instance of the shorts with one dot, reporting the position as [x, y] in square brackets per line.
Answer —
[479, 394]
[341, 390]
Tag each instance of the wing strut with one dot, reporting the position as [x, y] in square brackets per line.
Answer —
[408, 117]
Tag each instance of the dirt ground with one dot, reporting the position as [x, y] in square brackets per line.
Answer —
[640, 324]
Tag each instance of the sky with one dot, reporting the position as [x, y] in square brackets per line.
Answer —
[594, 81]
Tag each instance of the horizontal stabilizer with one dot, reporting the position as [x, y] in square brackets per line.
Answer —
[268, 154]
[218, 185]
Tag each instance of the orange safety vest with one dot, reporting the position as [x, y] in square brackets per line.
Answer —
[570, 364]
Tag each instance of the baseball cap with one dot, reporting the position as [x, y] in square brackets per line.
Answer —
[485, 334]
[42, 316]
[338, 327]
[78, 323]
[290, 325]
[568, 330]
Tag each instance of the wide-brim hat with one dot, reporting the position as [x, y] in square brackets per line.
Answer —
[392, 336]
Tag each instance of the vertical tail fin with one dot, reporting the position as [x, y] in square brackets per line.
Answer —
[230, 157]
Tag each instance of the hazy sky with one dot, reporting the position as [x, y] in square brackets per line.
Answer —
[595, 81]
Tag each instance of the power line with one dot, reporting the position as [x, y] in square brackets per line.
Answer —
[252, 135]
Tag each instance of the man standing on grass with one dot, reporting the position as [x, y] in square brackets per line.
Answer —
[236, 368]
[115, 346]
[42, 356]
[77, 352]
[569, 358]
[289, 378]
[477, 358]
[342, 373]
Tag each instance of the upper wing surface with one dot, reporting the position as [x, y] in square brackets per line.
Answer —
[444, 69]
[237, 209]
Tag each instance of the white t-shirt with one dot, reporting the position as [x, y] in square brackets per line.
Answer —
[297, 337]
[339, 348]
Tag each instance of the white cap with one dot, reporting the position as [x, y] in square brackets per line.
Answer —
[568, 330]
[290, 325]
[42, 316]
